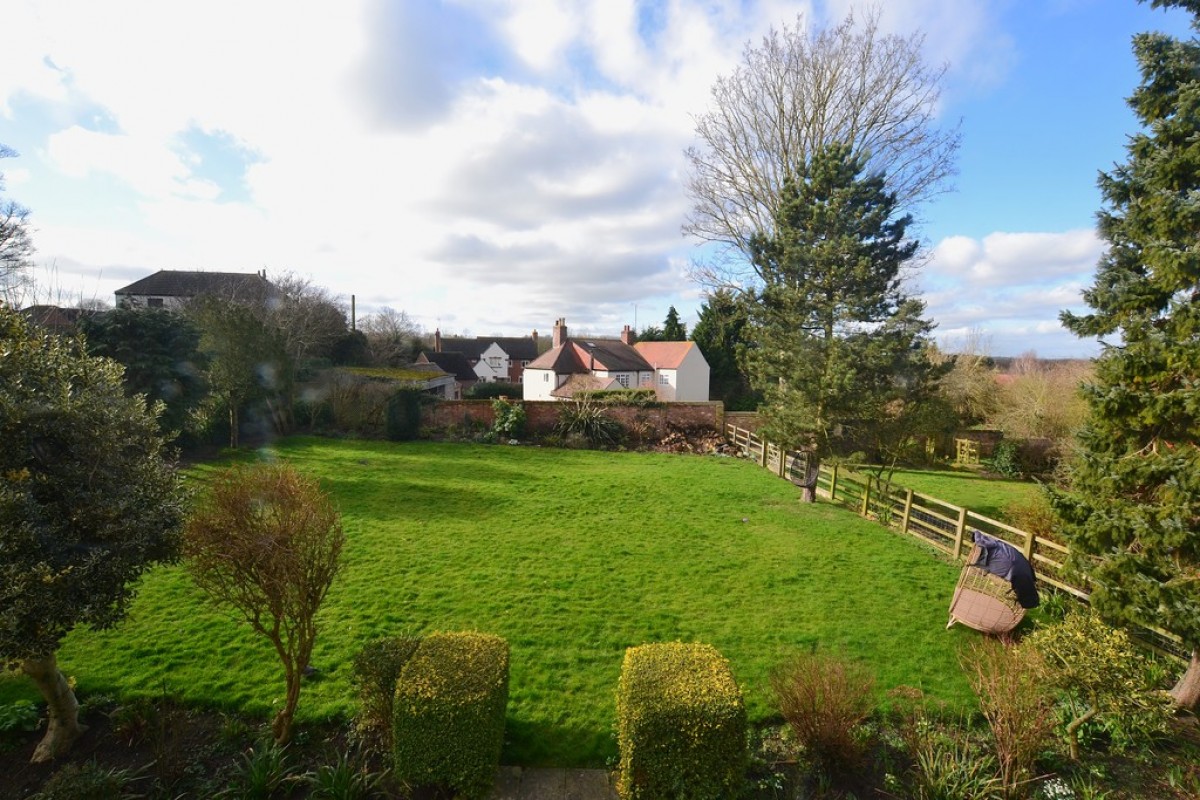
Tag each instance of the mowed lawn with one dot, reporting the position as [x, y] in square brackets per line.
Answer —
[983, 495]
[570, 555]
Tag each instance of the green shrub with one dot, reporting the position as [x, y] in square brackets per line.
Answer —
[589, 420]
[642, 398]
[825, 699]
[404, 415]
[1100, 676]
[20, 715]
[492, 390]
[377, 667]
[510, 418]
[681, 724]
[449, 712]
[1006, 459]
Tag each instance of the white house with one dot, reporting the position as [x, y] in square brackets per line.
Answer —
[680, 370]
[677, 371]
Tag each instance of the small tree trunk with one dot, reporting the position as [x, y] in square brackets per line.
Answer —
[281, 727]
[1187, 692]
[63, 728]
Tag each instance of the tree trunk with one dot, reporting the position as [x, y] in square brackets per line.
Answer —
[1187, 692]
[63, 728]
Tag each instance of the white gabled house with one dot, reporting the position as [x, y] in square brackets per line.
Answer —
[676, 371]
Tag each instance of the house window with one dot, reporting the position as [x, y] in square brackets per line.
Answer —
[524, 363]
[494, 362]
[623, 379]
[643, 379]
[154, 302]
[545, 377]
[664, 379]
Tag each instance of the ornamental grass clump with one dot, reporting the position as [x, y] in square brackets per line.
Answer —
[681, 724]
[448, 713]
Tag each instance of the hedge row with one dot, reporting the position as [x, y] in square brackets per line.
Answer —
[681, 724]
[449, 711]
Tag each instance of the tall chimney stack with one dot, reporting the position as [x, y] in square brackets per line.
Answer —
[627, 335]
[437, 340]
[560, 332]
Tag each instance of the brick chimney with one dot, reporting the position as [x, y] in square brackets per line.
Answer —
[627, 335]
[437, 340]
[534, 337]
[560, 332]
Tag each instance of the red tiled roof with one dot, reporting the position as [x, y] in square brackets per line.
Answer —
[664, 355]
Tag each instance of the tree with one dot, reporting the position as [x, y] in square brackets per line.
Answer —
[87, 503]
[248, 367]
[268, 542]
[311, 323]
[673, 329]
[720, 333]
[798, 91]
[160, 352]
[393, 339]
[1133, 514]
[16, 245]
[651, 333]
[838, 345]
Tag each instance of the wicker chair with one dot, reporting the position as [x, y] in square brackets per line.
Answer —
[984, 601]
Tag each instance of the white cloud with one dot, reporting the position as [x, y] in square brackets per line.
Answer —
[1012, 288]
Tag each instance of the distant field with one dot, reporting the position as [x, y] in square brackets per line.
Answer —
[986, 496]
[572, 556]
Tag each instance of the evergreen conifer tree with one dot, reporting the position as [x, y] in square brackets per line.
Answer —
[1133, 514]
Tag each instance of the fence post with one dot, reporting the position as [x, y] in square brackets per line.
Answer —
[959, 531]
[1028, 549]
[762, 461]
[866, 503]
[908, 497]
[833, 484]
[783, 463]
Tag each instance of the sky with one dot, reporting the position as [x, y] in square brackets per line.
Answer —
[489, 166]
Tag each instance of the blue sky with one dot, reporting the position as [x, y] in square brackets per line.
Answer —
[491, 165]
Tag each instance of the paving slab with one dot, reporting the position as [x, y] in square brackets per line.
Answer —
[517, 783]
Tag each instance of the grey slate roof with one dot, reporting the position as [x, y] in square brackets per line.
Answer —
[453, 362]
[183, 283]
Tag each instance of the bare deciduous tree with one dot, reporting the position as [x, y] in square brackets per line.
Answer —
[796, 92]
[391, 337]
[16, 245]
[268, 542]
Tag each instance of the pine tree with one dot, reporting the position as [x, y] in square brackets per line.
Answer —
[720, 334]
[673, 329]
[836, 341]
[1133, 513]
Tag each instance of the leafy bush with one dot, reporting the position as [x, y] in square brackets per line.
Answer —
[377, 667]
[589, 420]
[681, 724]
[824, 699]
[1006, 460]
[449, 712]
[404, 415]
[21, 715]
[262, 772]
[1100, 674]
[642, 398]
[510, 418]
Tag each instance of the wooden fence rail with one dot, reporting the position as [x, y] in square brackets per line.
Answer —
[939, 523]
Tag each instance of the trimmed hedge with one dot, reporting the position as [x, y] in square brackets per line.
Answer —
[404, 415]
[681, 724]
[449, 713]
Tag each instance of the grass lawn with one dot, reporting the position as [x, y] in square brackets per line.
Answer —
[572, 556]
[986, 496]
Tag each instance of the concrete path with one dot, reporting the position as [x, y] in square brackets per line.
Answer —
[516, 783]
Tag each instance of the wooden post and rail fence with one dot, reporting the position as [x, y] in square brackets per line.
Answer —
[943, 525]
